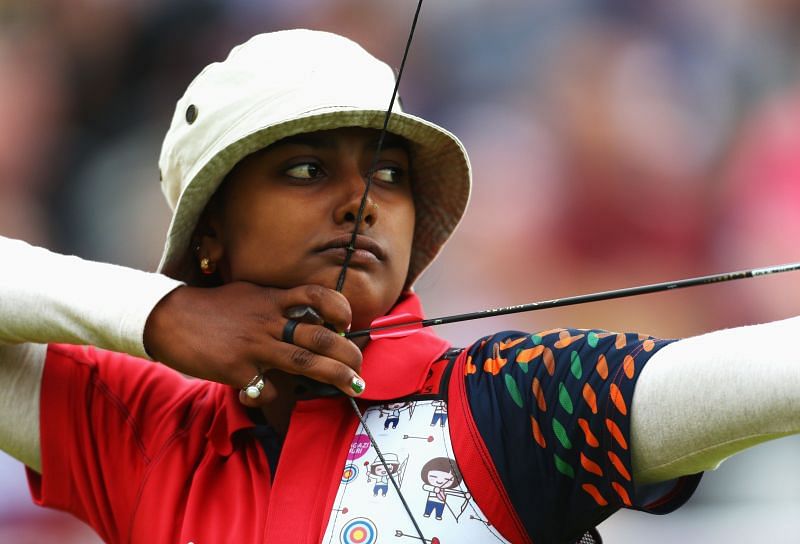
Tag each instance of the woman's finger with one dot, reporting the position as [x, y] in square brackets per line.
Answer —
[322, 341]
[297, 360]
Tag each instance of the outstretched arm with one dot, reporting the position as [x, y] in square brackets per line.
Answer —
[583, 417]
[703, 399]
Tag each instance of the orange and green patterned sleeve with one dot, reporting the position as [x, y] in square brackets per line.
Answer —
[553, 410]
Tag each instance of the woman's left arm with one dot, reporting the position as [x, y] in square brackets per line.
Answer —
[703, 399]
[575, 421]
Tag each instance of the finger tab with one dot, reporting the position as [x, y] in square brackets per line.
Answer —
[305, 314]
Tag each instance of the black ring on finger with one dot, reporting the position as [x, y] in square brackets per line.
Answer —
[288, 331]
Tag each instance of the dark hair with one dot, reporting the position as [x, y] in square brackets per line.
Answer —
[442, 464]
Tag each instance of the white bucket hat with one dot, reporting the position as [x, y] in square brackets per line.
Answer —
[292, 82]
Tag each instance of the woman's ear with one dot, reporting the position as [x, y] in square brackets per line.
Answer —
[208, 246]
[210, 242]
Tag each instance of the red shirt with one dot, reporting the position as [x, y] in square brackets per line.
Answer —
[539, 425]
[143, 454]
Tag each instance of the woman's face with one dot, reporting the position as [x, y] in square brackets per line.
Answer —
[288, 211]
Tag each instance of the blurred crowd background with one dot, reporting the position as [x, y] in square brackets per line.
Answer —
[614, 143]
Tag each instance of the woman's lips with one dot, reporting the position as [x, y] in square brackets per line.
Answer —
[367, 250]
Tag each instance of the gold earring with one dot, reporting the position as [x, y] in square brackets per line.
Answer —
[206, 267]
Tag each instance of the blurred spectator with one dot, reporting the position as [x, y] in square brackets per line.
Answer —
[760, 206]
[32, 110]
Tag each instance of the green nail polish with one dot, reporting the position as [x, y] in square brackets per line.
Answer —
[358, 385]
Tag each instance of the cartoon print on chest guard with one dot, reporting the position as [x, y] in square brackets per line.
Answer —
[441, 480]
[377, 472]
[439, 413]
[391, 412]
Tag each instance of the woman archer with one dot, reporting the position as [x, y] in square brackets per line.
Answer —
[264, 166]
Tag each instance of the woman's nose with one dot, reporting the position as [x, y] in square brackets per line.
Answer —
[354, 204]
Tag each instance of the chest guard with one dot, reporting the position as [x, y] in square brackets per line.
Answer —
[413, 435]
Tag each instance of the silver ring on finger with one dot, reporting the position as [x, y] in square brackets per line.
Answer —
[254, 387]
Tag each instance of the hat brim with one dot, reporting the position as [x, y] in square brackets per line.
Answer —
[441, 179]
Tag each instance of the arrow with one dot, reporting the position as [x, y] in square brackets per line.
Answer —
[426, 438]
[400, 534]
[396, 326]
[480, 519]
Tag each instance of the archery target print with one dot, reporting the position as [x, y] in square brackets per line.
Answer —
[414, 439]
[359, 531]
[350, 473]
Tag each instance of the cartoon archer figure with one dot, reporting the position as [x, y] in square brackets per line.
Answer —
[441, 478]
[439, 413]
[380, 475]
[392, 413]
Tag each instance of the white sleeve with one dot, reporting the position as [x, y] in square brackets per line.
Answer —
[48, 298]
[700, 400]
[21, 369]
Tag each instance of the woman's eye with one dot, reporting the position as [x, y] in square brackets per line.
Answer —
[388, 175]
[304, 171]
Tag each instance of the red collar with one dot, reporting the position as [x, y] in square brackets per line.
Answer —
[392, 368]
[397, 367]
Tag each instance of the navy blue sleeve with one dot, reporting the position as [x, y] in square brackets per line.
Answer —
[553, 409]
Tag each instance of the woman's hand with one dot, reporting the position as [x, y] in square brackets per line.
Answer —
[230, 334]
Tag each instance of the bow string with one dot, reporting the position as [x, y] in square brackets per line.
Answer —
[351, 247]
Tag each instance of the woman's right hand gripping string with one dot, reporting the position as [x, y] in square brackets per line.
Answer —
[236, 333]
